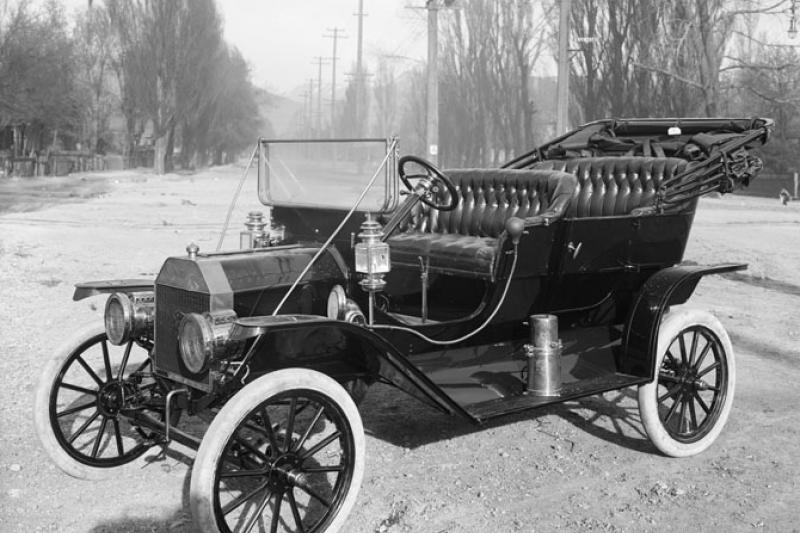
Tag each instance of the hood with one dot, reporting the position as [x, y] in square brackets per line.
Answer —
[220, 275]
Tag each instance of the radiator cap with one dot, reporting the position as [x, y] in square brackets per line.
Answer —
[192, 250]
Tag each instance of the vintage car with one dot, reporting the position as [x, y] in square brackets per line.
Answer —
[480, 292]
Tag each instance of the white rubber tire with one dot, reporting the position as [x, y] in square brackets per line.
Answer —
[672, 324]
[41, 406]
[238, 408]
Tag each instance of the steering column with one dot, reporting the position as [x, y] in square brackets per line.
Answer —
[424, 190]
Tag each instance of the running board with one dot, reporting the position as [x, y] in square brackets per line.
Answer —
[483, 411]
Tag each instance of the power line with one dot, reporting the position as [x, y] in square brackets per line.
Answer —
[319, 61]
[432, 119]
[359, 66]
[309, 106]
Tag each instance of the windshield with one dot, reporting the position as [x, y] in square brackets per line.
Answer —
[329, 173]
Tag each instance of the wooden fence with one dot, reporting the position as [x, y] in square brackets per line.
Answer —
[65, 162]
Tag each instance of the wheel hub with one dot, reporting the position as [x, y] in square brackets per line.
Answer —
[687, 377]
[112, 396]
[285, 472]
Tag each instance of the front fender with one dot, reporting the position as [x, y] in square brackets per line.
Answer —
[93, 288]
[671, 286]
[339, 349]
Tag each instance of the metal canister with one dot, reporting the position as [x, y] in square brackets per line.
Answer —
[544, 356]
[254, 235]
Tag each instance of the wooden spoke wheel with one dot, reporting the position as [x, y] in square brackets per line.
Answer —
[80, 402]
[286, 453]
[688, 402]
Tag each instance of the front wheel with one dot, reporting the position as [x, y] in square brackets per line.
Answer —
[687, 404]
[286, 453]
[79, 410]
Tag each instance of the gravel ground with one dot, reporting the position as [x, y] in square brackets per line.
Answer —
[580, 466]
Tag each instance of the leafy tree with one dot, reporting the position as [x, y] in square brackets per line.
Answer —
[235, 122]
[177, 74]
[38, 89]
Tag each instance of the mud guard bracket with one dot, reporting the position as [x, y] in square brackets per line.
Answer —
[671, 286]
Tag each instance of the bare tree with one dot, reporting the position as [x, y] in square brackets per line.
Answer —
[614, 39]
[771, 88]
[92, 41]
[356, 107]
[411, 124]
[385, 98]
[649, 57]
[489, 51]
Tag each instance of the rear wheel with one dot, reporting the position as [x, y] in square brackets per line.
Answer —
[79, 402]
[286, 453]
[687, 404]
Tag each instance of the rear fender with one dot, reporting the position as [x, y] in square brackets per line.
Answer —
[671, 286]
[93, 288]
[339, 349]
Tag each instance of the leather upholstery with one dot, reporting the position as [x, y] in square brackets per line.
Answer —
[464, 255]
[489, 197]
[614, 185]
[465, 241]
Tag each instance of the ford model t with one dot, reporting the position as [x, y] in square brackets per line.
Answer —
[480, 292]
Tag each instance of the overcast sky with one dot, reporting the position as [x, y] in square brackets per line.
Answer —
[280, 39]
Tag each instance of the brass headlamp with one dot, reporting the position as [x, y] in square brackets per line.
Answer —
[203, 337]
[129, 315]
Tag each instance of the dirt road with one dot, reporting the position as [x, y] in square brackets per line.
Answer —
[580, 466]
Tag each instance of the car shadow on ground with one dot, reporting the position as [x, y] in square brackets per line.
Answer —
[178, 522]
[394, 417]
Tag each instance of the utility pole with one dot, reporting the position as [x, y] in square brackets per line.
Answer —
[359, 67]
[562, 102]
[319, 61]
[308, 101]
[337, 34]
[432, 119]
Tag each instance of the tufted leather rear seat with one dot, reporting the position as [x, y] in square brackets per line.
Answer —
[466, 241]
[610, 186]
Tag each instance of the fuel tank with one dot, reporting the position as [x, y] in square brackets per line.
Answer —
[251, 282]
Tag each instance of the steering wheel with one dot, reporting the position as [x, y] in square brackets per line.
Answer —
[432, 176]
